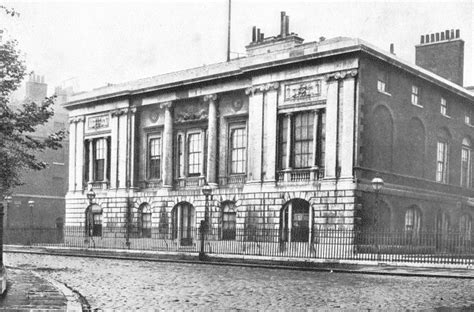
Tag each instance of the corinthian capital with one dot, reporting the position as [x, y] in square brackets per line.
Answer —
[166, 105]
[210, 98]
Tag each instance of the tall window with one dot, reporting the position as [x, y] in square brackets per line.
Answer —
[467, 117]
[303, 140]
[296, 145]
[444, 107]
[154, 158]
[99, 159]
[465, 227]
[413, 220]
[415, 100]
[228, 221]
[442, 162]
[238, 147]
[194, 154]
[466, 163]
[180, 156]
[295, 221]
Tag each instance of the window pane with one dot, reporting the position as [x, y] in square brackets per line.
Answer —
[282, 139]
[194, 154]
[154, 158]
[303, 140]
[238, 149]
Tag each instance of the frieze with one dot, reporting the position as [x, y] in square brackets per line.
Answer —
[302, 90]
[98, 122]
[191, 116]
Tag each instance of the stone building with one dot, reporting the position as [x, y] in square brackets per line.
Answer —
[289, 138]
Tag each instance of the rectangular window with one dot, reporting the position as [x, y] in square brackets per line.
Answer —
[444, 107]
[442, 162]
[179, 156]
[303, 140]
[465, 166]
[382, 82]
[194, 154]
[99, 159]
[283, 141]
[467, 117]
[154, 158]
[238, 148]
[415, 100]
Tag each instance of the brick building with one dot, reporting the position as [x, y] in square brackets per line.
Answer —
[289, 138]
[47, 188]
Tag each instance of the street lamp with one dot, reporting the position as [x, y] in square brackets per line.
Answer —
[90, 195]
[206, 191]
[31, 204]
[377, 185]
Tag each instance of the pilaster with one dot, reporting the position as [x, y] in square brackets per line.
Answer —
[270, 132]
[255, 134]
[72, 154]
[168, 145]
[79, 158]
[212, 140]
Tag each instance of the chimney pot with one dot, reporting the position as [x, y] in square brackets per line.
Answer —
[432, 38]
[452, 34]
[287, 25]
[447, 34]
[442, 35]
[258, 34]
[262, 36]
[427, 38]
[254, 33]
[437, 36]
[392, 48]
[457, 33]
[422, 39]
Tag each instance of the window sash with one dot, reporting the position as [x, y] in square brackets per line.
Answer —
[194, 154]
[465, 166]
[302, 149]
[444, 107]
[442, 162]
[238, 148]
[154, 158]
[414, 95]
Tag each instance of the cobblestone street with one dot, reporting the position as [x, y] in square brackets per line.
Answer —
[119, 284]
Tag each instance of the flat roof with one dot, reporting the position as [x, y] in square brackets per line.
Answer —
[311, 50]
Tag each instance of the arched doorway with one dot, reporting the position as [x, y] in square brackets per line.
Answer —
[295, 221]
[183, 223]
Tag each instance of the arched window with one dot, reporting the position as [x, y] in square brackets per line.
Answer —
[94, 220]
[295, 221]
[466, 163]
[465, 227]
[144, 220]
[442, 223]
[183, 223]
[442, 156]
[228, 220]
[413, 220]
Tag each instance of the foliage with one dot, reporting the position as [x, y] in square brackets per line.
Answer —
[19, 148]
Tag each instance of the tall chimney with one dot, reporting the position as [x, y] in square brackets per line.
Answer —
[282, 24]
[287, 25]
[258, 34]
[392, 48]
[254, 33]
[442, 55]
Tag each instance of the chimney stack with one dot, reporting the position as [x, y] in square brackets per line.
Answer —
[443, 54]
[392, 48]
[282, 24]
[254, 34]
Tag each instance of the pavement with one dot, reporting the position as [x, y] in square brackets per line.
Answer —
[27, 290]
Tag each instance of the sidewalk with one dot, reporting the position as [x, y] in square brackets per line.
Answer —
[349, 266]
[27, 291]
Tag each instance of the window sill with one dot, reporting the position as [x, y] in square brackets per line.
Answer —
[384, 92]
[447, 116]
[417, 105]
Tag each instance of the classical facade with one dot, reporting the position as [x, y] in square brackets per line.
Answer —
[288, 138]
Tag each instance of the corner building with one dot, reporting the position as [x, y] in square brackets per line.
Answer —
[289, 138]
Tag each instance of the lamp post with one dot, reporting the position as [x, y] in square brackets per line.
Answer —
[31, 204]
[90, 196]
[9, 199]
[377, 185]
[206, 191]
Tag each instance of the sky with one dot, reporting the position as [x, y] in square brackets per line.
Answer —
[91, 43]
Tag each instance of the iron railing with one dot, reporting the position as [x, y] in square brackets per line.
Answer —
[316, 243]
